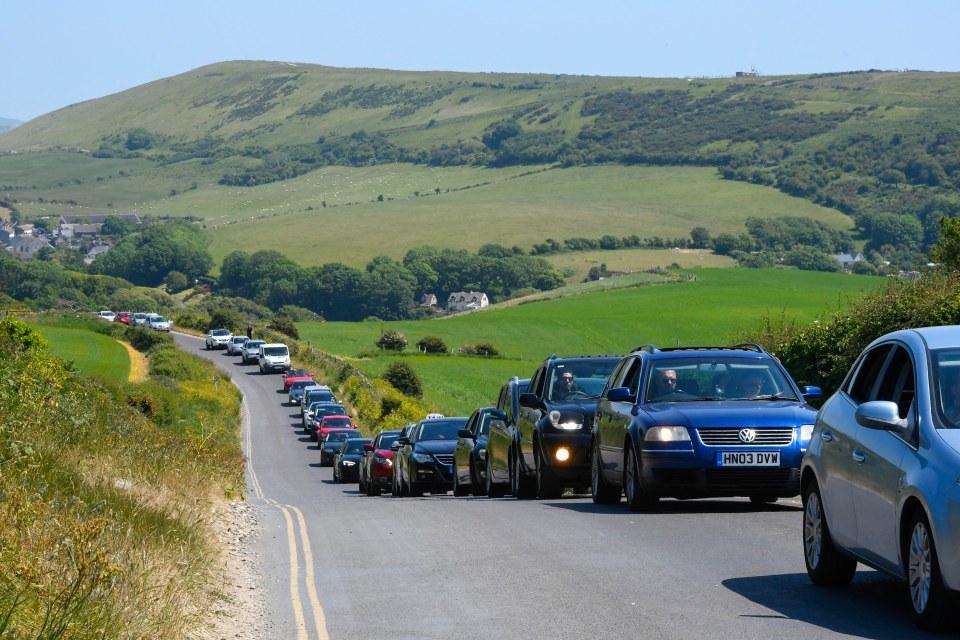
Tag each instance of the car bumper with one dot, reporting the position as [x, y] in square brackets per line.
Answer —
[349, 474]
[577, 447]
[690, 476]
[275, 367]
[431, 476]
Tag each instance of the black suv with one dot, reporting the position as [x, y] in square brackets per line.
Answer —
[503, 440]
[555, 423]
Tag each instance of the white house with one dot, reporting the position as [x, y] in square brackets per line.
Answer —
[467, 301]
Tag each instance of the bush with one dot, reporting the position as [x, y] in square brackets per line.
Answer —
[404, 379]
[285, 326]
[143, 339]
[392, 340]
[226, 319]
[432, 344]
[480, 349]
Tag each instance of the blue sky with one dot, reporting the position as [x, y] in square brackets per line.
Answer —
[54, 53]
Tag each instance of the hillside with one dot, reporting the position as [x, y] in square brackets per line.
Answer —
[462, 159]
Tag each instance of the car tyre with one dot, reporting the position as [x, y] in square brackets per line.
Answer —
[494, 489]
[414, 490]
[826, 566]
[477, 485]
[928, 595]
[547, 487]
[603, 492]
[637, 498]
[459, 490]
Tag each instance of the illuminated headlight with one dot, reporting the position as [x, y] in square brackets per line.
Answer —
[422, 458]
[384, 461]
[348, 463]
[806, 432]
[562, 454]
[567, 424]
[667, 434]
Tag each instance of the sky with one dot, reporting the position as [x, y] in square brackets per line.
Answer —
[54, 53]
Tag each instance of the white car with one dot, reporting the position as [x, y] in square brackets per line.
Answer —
[251, 350]
[274, 356]
[109, 316]
[218, 338]
[235, 346]
[159, 323]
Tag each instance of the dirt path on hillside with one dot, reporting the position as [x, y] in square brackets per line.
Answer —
[138, 364]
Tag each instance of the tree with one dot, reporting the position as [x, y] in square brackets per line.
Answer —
[116, 226]
[432, 344]
[402, 376]
[176, 281]
[947, 249]
[498, 132]
[699, 238]
[725, 244]
[392, 340]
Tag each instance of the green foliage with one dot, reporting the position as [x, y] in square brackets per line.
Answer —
[402, 376]
[17, 335]
[147, 257]
[487, 349]
[432, 344]
[176, 282]
[139, 138]
[285, 326]
[225, 318]
[947, 249]
[391, 340]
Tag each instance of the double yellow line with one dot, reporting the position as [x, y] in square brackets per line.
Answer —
[289, 511]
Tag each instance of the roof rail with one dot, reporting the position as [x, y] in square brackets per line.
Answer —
[749, 346]
[645, 347]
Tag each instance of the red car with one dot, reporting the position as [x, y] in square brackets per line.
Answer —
[124, 317]
[333, 422]
[293, 375]
[376, 469]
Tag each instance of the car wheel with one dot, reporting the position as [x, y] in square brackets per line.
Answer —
[637, 498]
[362, 486]
[548, 487]
[520, 486]
[336, 480]
[928, 595]
[458, 489]
[476, 484]
[414, 490]
[494, 489]
[394, 489]
[825, 564]
[603, 492]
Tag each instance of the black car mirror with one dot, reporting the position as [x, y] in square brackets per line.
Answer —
[529, 400]
[466, 434]
[620, 394]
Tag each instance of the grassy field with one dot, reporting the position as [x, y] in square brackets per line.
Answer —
[91, 353]
[719, 304]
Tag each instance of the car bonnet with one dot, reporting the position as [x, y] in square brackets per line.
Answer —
[731, 413]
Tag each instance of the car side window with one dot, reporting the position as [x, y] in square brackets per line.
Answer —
[536, 384]
[897, 383]
[631, 378]
[861, 387]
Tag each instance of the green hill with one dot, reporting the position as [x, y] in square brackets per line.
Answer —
[343, 164]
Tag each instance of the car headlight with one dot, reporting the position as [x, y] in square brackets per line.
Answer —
[384, 461]
[806, 432]
[667, 434]
[348, 463]
[421, 457]
[568, 423]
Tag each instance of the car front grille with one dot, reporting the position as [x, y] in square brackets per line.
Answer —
[765, 437]
[444, 458]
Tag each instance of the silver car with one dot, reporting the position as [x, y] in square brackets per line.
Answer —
[881, 477]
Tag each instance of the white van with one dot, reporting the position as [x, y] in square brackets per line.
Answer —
[274, 356]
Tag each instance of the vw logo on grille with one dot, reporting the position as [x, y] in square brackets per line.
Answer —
[747, 435]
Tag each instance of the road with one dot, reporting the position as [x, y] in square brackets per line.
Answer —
[339, 564]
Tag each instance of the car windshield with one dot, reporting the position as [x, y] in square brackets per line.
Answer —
[946, 386]
[716, 378]
[300, 384]
[253, 344]
[338, 436]
[329, 410]
[275, 351]
[579, 380]
[354, 445]
[336, 422]
[440, 429]
[386, 441]
[220, 332]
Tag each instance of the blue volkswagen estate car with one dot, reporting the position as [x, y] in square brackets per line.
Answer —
[697, 422]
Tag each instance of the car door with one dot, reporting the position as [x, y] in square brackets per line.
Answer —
[878, 455]
[837, 428]
[528, 416]
[613, 418]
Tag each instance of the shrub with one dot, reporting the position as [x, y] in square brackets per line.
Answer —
[432, 344]
[392, 340]
[404, 379]
[226, 319]
[480, 349]
[285, 326]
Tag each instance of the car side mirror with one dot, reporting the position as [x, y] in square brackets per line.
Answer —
[880, 414]
[811, 393]
[395, 446]
[529, 400]
[403, 441]
[621, 394]
[498, 414]
[368, 446]
[466, 434]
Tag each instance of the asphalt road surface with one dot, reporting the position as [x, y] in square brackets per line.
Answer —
[339, 564]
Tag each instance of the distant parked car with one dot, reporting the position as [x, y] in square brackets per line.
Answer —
[346, 464]
[109, 316]
[295, 395]
[880, 477]
[251, 351]
[317, 411]
[327, 423]
[159, 323]
[235, 346]
[470, 454]
[293, 375]
[331, 444]
[274, 356]
[124, 317]
[697, 422]
[139, 319]
[426, 456]
[376, 467]
[218, 338]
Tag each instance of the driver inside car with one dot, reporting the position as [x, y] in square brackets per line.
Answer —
[566, 387]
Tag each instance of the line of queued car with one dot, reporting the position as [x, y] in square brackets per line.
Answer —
[153, 321]
[877, 467]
